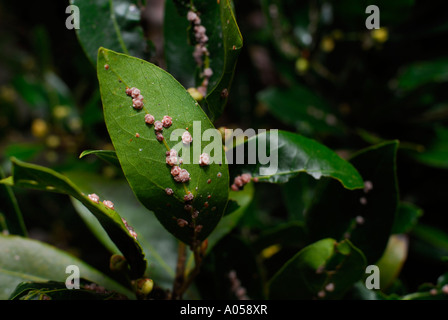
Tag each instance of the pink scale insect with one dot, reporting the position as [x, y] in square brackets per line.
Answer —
[94, 197]
[159, 136]
[182, 223]
[158, 126]
[149, 118]
[137, 98]
[167, 121]
[109, 204]
[188, 197]
[187, 138]
[204, 159]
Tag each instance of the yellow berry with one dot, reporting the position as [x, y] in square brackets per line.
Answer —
[302, 65]
[327, 44]
[39, 128]
[145, 286]
[61, 112]
[380, 35]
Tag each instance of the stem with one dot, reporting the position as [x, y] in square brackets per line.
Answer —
[180, 287]
[180, 271]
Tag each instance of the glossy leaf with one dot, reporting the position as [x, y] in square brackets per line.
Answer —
[30, 260]
[325, 266]
[365, 216]
[32, 176]
[224, 45]
[109, 156]
[283, 155]
[110, 23]
[143, 158]
[158, 245]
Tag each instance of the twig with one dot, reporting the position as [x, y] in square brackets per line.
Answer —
[181, 285]
[180, 271]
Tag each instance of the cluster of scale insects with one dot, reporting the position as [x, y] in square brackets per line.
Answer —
[109, 204]
[200, 49]
[179, 174]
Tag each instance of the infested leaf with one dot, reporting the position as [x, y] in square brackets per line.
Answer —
[32, 176]
[143, 158]
[223, 45]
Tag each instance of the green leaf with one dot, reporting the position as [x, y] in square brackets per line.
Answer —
[30, 260]
[107, 155]
[9, 211]
[159, 246]
[53, 290]
[32, 176]
[393, 259]
[325, 266]
[300, 107]
[143, 159]
[110, 23]
[366, 216]
[283, 155]
[224, 45]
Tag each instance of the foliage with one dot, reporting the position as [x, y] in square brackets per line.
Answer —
[343, 142]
